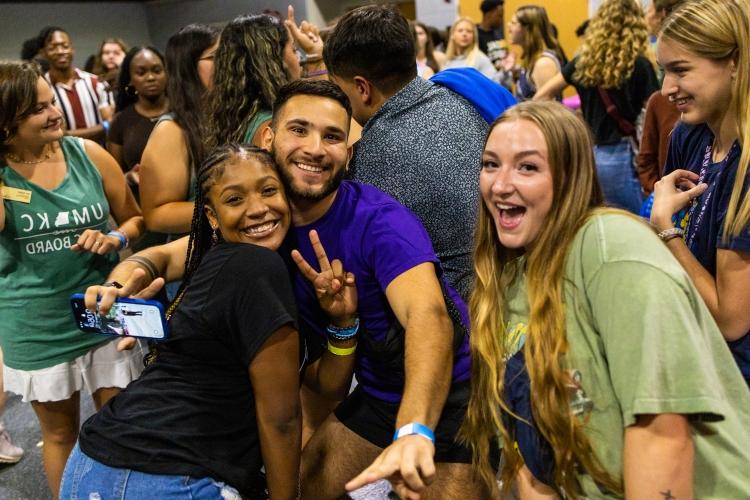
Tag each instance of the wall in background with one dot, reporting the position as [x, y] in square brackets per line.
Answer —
[165, 17]
[87, 22]
[438, 13]
[567, 16]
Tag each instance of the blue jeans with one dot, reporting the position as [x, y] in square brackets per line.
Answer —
[86, 479]
[617, 177]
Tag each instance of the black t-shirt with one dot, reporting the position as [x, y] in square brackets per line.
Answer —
[131, 130]
[629, 99]
[193, 412]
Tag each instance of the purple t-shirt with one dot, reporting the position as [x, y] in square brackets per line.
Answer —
[377, 239]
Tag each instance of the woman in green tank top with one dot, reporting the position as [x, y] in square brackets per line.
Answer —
[57, 195]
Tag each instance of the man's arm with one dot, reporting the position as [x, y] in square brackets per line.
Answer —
[417, 301]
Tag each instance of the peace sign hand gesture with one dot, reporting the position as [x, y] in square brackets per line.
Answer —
[334, 287]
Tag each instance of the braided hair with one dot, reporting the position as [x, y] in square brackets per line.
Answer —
[201, 234]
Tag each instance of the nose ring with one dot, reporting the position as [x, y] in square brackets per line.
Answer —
[672, 98]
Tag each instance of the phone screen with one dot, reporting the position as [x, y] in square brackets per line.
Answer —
[126, 318]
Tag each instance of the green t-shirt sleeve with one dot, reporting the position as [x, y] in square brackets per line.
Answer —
[661, 345]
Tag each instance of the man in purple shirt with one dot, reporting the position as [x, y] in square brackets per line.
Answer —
[412, 324]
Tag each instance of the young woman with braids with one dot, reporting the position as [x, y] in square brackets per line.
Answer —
[542, 56]
[704, 48]
[176, 145]
[593, 355]
[221, 400]
[258, 52]
[613, 76]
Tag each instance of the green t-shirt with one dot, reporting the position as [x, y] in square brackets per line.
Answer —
[39, 272]
[641, 341]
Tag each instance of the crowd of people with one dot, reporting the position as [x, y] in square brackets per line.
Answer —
[378, 264]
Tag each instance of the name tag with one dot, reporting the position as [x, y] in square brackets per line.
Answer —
[15, 194]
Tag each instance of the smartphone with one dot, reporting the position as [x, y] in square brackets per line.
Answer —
[127, 318]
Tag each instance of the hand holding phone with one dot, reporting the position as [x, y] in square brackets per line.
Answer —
[127, 317]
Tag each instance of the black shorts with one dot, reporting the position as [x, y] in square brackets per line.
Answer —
[375, 420]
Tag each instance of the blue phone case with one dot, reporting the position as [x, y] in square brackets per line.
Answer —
[128, 317]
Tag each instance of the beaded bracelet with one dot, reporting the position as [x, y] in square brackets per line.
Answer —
[122, 237]
[345, 333]
[668, 234]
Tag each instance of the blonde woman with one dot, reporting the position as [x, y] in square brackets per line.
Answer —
[463, 49]
[704, 48]
[542, 56]
[593, 355]
[614, 79]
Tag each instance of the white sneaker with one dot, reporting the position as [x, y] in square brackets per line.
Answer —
[9, 454]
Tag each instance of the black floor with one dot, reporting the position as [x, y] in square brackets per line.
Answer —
[25, 480]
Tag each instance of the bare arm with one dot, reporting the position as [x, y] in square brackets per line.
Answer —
[122, 205]
[417, 301]
[166, 261]
[544, 70]
[116, 151]
[275, 380]
[530, 488]
[331, 376]
[658, 458]
[727, 296]
[165, 180]
[554, 86]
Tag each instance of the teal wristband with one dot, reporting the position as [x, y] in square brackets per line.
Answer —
[415, 428]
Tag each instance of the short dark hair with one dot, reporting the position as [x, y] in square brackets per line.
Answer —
[317, 88]
[47, 32]
[30, 49]
[375, 42]
[490, 5]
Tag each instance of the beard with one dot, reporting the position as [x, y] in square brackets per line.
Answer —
[296, 192]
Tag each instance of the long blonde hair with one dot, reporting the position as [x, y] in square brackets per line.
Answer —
[471, 52]
[720, 30]
[616, 36]
[576, 194]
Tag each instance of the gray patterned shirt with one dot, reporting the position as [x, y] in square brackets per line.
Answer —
[424, 148]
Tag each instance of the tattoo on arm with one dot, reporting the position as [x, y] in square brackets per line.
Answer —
[667, 495]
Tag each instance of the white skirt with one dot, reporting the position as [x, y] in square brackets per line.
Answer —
[100, 367]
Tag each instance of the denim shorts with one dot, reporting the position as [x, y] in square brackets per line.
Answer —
[86, 479]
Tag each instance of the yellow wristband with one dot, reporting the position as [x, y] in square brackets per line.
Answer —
[338, 351]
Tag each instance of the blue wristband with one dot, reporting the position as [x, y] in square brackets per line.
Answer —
[120, 236]
[105, 126]
[337, 333]
[415, 428]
